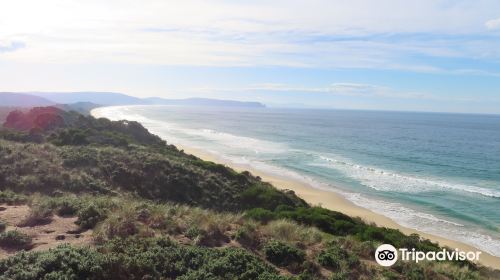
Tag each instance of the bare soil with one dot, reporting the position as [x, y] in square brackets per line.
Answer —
[61, 230]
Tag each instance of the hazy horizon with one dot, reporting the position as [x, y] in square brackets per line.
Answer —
[428, 56]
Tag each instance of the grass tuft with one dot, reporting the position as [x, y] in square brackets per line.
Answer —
[15, 239]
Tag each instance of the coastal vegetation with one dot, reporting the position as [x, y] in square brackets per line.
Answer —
[155, 212]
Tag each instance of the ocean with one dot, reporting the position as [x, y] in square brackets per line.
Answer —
[434, 172]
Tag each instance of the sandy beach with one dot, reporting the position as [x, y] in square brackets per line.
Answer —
[337, 202]
[334, 201]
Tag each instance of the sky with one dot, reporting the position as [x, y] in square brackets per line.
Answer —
[426, 55]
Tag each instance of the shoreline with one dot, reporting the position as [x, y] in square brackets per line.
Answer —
[334, 201]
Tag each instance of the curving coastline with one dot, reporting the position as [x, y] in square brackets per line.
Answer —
[333, 201]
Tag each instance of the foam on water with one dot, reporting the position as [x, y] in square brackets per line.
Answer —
[228, 140]
[173, 131]
[250, 151]
[402, 215]
[428, 223]
[384, 180]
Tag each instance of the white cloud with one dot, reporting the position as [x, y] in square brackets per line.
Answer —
[308, 33]
[493, 24]
[358, 91]
[11, 46]
[340, 89]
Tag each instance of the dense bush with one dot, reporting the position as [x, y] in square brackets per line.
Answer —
[118, 226]
[268, 197]
[260, 214]
[14, 239]
[335, 257]
[220, 168]
[152, 173]
[329, 221]
[337, 223]
[247, 235]
[68, 207]
[72, 136]
[12, 198]
[89, 216]
[292, 232]
[137, 259]
[396, 238]
[193, 232]
[332, 222]
[283, 254]
[17, 136]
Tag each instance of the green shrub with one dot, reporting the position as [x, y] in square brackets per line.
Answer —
[135, 258]
[117, 226]
[14, 239]
[193, 232]
[283, 254]
[217, 168]
[260, 214]
[337, 223]
[89, 216]
[268, 197]
[40, 214]
[63, 262]
[395, 237]
[12, 198]
[67, 208]
[365, 249]
[334, 257]
[292, 232]
[310, 271]
[12, 135]
[70, 136]
[247, 235]
[141, 165]
[327, 220]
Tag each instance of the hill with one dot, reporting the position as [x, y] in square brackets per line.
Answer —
[8, 99]
[83, 108]
[112, 98]
[153, 212]
[203, 102]
[103, 98]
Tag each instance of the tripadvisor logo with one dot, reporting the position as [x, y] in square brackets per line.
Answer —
[387, 255]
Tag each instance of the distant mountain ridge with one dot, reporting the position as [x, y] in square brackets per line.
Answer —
[103, 98]
[109, 99]
[204, 102]
[12, 99]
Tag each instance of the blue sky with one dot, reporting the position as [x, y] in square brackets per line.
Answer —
[428, 55]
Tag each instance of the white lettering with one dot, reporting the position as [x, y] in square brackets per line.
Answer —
[443, 255]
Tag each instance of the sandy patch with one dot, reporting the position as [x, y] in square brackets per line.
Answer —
[61, 230]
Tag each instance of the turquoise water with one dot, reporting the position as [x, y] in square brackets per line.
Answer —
[437, 173]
